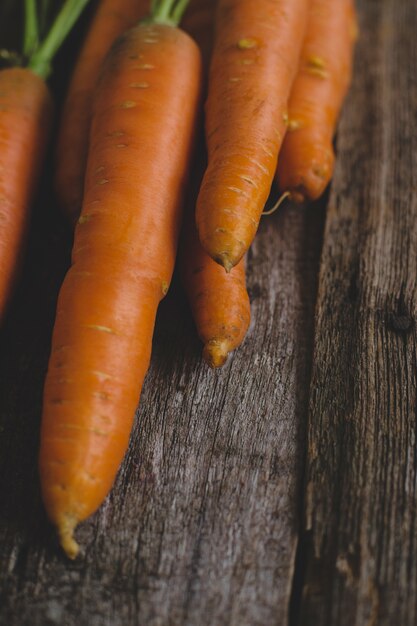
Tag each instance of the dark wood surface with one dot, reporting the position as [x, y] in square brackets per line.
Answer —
[282, 489]
[360, 527]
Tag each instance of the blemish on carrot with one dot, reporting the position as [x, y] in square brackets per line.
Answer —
[83, 219]
[316, 61]
[102, 375]
[249, 180]
[103, 395]
[103, 329]
[316, 71]
[142, 85]
[237, 190]
[294, 125]
[128, 104]
[247, 43]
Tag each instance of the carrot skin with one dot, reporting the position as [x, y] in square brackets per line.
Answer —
[25, 112]
[198, 22]
[255, 57]
[123, 257]
[219, 301]
[306, 161]
[113, 17]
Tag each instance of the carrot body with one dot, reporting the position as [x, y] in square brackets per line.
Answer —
[25, 112]
[219, 301]
[306, 160]
[113, 17]
[125, 245]
[254, 61]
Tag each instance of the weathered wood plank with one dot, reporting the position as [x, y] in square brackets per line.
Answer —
[201, 527]
[360, 508]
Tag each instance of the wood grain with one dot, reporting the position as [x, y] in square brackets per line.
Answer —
[201, 526]
[360, 506]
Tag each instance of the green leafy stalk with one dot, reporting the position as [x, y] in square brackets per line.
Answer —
[167, 11]
[31, 34]
[44, 12]
[179, 9]
[40, 62]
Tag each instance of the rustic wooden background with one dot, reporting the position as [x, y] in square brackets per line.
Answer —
[282, 489]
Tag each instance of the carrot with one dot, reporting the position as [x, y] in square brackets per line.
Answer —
[144, 114]
[254, 61]
[25, 114]
[25, 111]
[198, 22]
[112, 18]
[219, 301]
[306, 160]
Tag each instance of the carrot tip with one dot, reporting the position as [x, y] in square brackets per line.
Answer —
[215, 352]
[224, 260]
[66, 536]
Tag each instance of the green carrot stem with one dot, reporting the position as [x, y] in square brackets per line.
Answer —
[44, 11]
[179, 10]
[31, 33]
[167, 11]
[40, 62]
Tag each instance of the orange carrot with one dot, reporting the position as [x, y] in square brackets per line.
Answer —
[306, 160]
[199, 23]
[25, 115]
[144, 115]
[25, 112]
[112, 18]
[219, 301]
[254, 61]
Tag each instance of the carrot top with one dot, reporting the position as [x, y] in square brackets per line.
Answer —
[43, 35]
[167, 12]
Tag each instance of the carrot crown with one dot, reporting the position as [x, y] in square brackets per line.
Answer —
[40, 55]
[46, 25]
[167, 12]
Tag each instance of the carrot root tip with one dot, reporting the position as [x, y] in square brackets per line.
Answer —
[215, 352]
[66, 536]
[224, 260]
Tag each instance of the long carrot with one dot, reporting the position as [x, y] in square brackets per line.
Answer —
[219, 301]
[25, 111]
[112, 18]
[254, 61]
[144, 115]
[306, 160]
[25, 115]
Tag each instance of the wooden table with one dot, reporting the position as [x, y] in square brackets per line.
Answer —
[282, 489]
